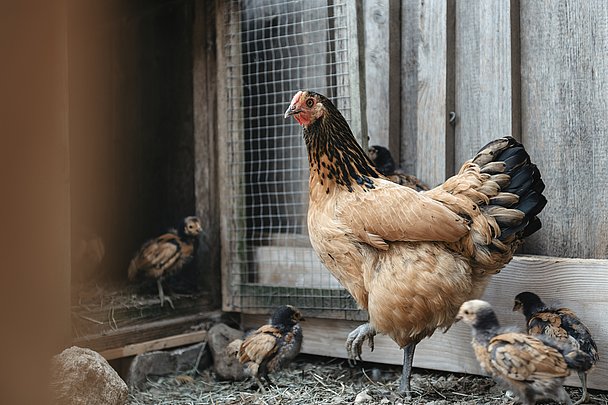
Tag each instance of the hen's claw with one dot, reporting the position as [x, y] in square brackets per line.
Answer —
[355, 339]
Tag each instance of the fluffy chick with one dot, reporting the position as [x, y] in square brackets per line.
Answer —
[166, 254]
[532, 367]
[382, 159]
[273, 346]
[560, 324]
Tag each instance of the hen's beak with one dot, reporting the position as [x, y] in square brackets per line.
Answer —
[292, 110]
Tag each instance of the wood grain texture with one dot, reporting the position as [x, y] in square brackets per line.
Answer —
[410, 39]
[229, 148]
[376, 16]
[564, 126]
[432, 74]
[156, 344]
[578, 284]
[206, 186]
[483, 91]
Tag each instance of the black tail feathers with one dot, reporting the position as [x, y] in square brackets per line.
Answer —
[507, 156]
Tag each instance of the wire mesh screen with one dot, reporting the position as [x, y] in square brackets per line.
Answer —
[274, 48]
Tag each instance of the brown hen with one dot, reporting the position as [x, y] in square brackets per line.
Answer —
[411, 258]
[560, 324]
[533, 368]
[166, 254]
[271, 347]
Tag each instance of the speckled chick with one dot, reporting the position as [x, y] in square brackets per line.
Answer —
[560, 324]
[533, 368]
[273, 346]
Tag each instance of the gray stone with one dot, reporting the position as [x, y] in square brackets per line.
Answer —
[225, 365]
[82, 376]
[159, 363]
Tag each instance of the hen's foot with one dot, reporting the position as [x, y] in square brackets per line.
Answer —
[355, 339]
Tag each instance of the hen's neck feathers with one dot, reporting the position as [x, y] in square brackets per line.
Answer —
[334, 156]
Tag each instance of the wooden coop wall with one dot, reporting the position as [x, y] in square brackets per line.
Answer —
[536, 70]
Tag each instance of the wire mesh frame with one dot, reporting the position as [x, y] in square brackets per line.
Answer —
[271, 49]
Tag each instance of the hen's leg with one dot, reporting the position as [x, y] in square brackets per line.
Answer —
[408, 358]
[585, 398]
[161, 294]
[355, 339]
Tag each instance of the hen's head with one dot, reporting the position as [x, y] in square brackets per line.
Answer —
[307, 107]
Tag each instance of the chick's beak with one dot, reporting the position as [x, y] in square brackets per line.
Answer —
[516, 307]
[458, 318]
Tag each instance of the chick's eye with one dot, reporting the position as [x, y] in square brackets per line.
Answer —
[310, 102]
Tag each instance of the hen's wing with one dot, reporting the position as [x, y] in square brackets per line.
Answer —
[523, 357]
[156, 256]
[394, 213]
[260, 345]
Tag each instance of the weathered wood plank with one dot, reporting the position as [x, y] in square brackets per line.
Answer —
[156, 344]
[376, 17]
[483, 92]
[142, 333]
[410, 39]
[564, 86]
[229, 146]
[206, 186]
[579, 284]
[433, 161]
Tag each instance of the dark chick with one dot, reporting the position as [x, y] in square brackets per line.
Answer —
[272, 347]
[166, 254]
[382, 159]
[532, 367]
[560, 324]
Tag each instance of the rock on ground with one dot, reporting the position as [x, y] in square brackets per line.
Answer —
[225, 366]
[83, 377]
[160, 363]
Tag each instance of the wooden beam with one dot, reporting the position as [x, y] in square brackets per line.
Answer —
[578, 284]
[143, 333]
[156, 344]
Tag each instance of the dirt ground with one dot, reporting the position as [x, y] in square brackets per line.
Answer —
[321, 380]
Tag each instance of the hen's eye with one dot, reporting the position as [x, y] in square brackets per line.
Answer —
[309, 102]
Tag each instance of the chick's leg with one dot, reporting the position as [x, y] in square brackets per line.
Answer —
[161, 294]
[408, 358]
[355, 339]
[585, 398]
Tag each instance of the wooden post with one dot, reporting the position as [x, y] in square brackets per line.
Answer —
[231, 187]
[206, 184]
